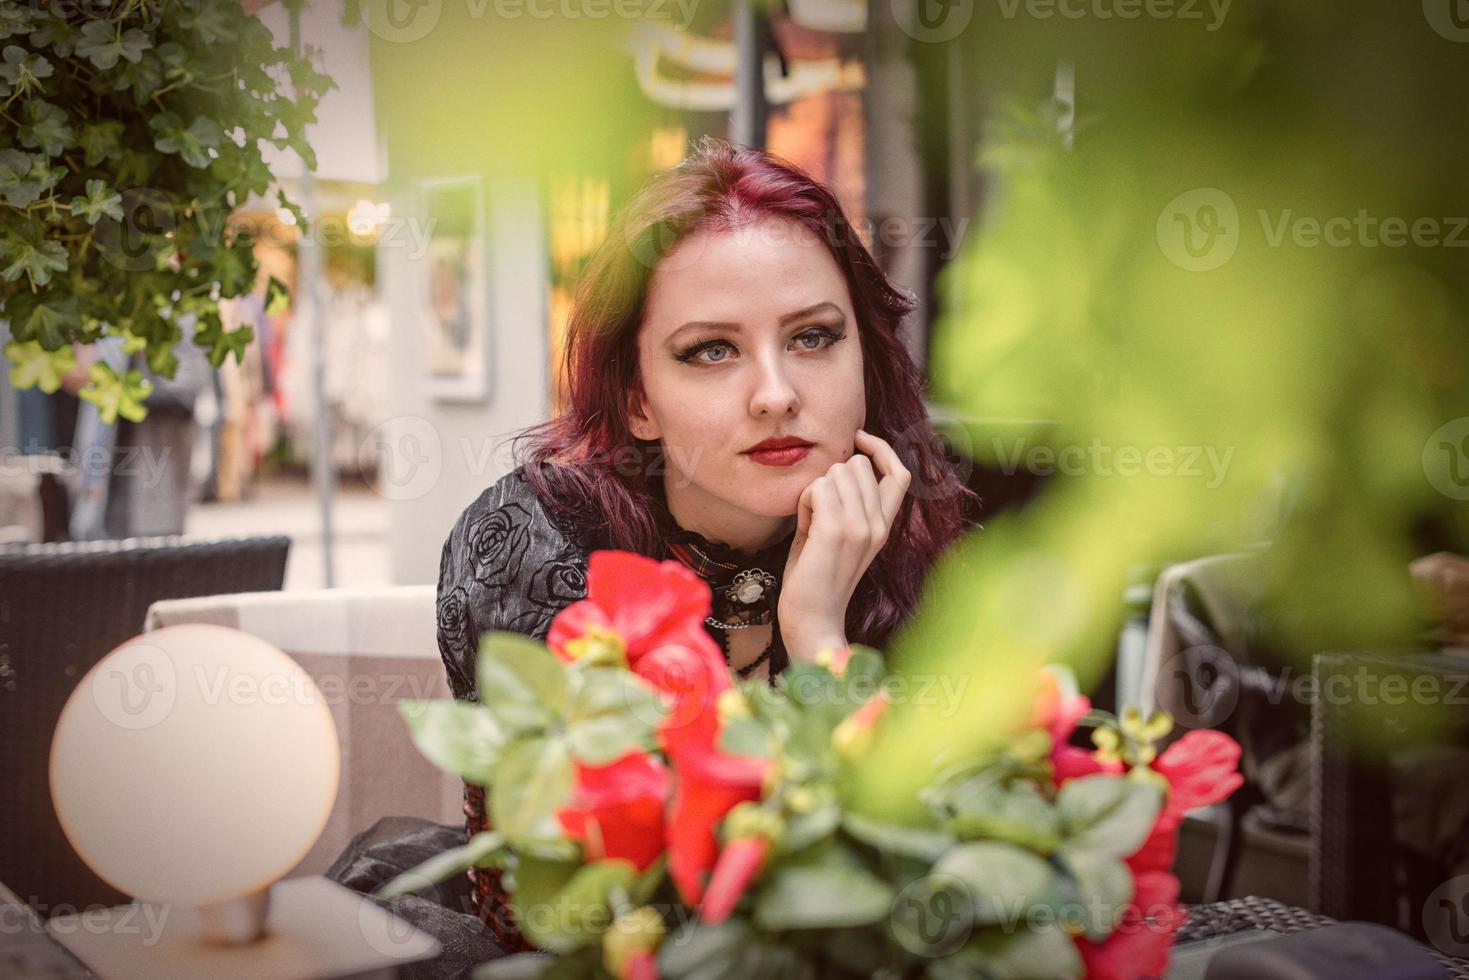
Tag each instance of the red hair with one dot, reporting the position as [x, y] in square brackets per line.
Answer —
[595, 475]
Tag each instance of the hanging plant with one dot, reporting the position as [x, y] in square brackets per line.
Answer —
[129, 132]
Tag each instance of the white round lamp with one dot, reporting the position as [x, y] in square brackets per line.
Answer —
[195, 766]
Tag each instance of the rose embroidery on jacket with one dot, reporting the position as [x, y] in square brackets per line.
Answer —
[457, 641]
[497, 544]
[561, 581]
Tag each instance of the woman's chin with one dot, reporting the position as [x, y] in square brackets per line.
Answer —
[776, 504]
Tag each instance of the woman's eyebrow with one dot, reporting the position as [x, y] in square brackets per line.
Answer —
[822, 307]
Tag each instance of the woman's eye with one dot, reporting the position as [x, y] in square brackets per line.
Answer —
[816, 339]
[710, 353]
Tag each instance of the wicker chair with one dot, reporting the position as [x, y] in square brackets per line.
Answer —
[62, 608]
[1380, 761]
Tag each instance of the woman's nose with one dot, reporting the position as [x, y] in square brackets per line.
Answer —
[774, 393]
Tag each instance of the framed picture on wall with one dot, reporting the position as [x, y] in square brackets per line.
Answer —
[455, 318]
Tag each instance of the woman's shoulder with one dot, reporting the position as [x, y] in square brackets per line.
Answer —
[506, 565]
[506, 536]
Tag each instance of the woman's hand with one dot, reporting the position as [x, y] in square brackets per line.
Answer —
[842, 522]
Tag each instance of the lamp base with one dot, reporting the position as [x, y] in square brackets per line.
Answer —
[314, 929]
[240, 920]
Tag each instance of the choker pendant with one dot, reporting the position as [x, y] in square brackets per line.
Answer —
[750, 586]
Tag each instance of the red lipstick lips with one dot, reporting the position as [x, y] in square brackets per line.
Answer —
[785, 451]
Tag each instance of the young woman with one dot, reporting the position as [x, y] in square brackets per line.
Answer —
[739, 401]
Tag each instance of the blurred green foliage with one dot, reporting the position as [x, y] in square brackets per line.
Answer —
[1150, 276]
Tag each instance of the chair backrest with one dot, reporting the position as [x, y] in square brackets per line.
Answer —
[367, 650]
[1389, 750]
[62, 608]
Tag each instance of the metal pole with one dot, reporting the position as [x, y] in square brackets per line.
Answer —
[308, 282]
[747, 118]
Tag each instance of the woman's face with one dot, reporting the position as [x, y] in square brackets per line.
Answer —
[747, 335]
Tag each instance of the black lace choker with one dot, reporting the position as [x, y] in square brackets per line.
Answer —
[745, 586]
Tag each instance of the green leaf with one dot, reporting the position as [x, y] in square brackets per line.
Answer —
[1014, 811]
[143, 78]
[1103, 887]
[24, 70]
[443, 865]
[520, 680]
[192, 143]
[30, 255]
[1106, 815]
[808, 829]
[457, 736]
[45, 127]
[100, 201]
[582, 911]
[116, 394]
[277, 297]
[49, 318]
[925, 843]
[531, 782]
[564, 905]
[102, 43]
[1045, 953]
[214, 23]
[294, 208]
[15, 166]
[825, 888]
[56, 33]
[538, 881]
[866, 666]
[1004, 881]
[611, 713]
[100, 141]
[32, 365]
[729, 951]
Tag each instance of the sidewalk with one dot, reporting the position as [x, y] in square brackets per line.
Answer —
[283, 505]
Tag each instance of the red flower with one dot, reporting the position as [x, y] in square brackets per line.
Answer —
[710, 784]
[737, 866]
[693, 678]
[1139, 946]
[1058, 715]
[650, 615]
[642, 603]
[1070, 762]
[854, 734]
[1201, 769]
[1055, 712]
[641, 964]
[617, 809]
